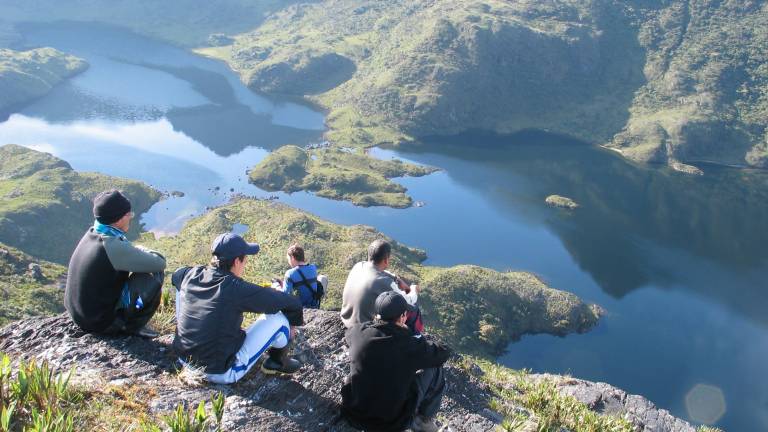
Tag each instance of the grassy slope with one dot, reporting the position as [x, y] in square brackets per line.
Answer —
[26, 75]
[706, 96]
[676, 81]
[46, 206]
[336, 174]
[476, 309]
[24, 295]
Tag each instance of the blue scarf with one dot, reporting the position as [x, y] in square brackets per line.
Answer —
[108, 230]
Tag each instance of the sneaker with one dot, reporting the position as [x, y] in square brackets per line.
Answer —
[273, 367]
[424, 424]
[145, 332]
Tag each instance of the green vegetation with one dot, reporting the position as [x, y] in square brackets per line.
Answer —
[337, 174]
[561, 201]
[657, 81]
[199, 420]
[46, 206]
[481, 310]
[545, 408]
[36, 399]
[28, 286]
[476, 309]
[41, 399]
[26, 75]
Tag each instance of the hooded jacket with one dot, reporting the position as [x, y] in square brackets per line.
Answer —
[381, 392]
[210, 316]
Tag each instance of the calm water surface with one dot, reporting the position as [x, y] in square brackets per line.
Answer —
[680, 263]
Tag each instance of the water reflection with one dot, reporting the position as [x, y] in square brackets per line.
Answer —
[133, 78]
[636, 226]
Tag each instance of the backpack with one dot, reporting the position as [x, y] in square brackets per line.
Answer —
[317, 294]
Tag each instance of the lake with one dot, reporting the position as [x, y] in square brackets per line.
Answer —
[680, 263]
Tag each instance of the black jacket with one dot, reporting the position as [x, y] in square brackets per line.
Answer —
[98, 269]
[209, 329]
[381, 393]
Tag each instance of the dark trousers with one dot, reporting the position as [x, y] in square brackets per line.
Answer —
[145, 286]
[431, 385]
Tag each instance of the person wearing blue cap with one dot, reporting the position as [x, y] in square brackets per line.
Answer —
[210, 302]
[396, 378]
[113, 286]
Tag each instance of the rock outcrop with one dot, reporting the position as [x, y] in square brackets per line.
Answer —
[306, 401]
[607, 399]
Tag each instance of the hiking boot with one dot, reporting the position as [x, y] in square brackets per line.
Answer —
[424, 424]
[279, 362]
[145, 332]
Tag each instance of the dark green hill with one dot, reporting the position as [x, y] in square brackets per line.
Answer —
[46, 206]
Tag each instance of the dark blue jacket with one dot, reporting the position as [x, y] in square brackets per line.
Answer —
[210, 317]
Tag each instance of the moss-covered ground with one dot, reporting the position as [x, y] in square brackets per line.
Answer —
[342, 174]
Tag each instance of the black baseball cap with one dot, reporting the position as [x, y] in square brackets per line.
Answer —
[230, 246]
[390, 305]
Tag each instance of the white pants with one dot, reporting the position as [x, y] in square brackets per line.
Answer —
[268, 331]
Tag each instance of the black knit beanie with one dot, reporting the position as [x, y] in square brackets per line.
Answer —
[110, 206]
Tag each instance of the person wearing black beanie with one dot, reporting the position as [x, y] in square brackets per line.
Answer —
[112, 285]
[110, 206]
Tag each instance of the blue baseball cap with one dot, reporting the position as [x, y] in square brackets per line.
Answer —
[230, 246]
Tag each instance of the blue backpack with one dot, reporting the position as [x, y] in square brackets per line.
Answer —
[317, 294]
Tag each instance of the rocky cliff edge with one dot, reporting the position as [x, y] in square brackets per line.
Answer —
[307, 401]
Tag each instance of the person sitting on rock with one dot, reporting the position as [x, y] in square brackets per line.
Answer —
[367, 280]
[210, 302]
[113, 286]
[303, 278]
[396, 379]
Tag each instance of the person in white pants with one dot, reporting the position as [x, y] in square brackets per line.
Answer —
[210, 303]
[269, 331]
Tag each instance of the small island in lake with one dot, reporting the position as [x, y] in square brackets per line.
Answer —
[561, 202]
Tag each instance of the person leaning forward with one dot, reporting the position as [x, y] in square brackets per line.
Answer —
[367, 280]
[112, 285]
[396, 379]
[210, 302]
